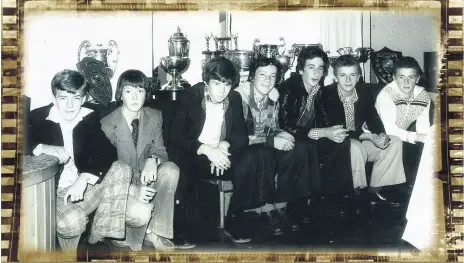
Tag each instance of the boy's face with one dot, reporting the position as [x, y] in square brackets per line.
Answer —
[406, 79]
[347, 78]
[218, 90]
[265, 78]
[313, 71]
[68, 104]
[133, 97]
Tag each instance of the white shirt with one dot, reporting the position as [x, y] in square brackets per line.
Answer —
[391, 107]
[211, 133]
[70, 173]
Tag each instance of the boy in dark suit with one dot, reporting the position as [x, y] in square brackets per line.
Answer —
[89, 180]
[136, 131]
[209, 131]
[349, 104]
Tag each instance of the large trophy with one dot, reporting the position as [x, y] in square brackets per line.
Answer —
[242, 59]
[97, 62]
[274, 51]
[177, 62]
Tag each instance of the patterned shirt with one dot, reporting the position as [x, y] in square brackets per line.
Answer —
[307, 114]
[398, 113]
[348, 106]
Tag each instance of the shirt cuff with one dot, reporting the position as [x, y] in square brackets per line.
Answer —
[38, 150]
[411, 137]
[92, 179]
[314, 134]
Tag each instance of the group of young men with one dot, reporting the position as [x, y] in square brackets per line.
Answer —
[280, 146]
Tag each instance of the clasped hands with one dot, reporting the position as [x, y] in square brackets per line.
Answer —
[284, 141]
[145, 193]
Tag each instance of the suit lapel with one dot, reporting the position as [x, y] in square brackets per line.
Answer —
[123, 133]
[145, 130]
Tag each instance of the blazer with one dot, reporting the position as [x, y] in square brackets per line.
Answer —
[293, 98]
[333, 112]
[93, 152]
[150, 140]
[190, 119]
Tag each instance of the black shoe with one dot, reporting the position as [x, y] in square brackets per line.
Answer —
[271, 220]
[288, 222]
[377, 198]
[181, 242]
[234, 228]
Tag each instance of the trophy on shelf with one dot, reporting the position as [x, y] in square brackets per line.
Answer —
[362, 54]
[242, 59]
[208, 54]
[107, 54]
[177, 62]
[97, 62]
[268, 50]
[273, 51]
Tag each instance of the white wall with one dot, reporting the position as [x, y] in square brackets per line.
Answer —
[412, 33]
[52, 40]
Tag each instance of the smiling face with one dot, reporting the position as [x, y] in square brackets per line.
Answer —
[313, 71]
[265, 79]
[347, 78]
[218, 90]
[406, 79]
[133, 97]
[68, 104]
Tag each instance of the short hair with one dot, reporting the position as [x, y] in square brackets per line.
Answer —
[310, 53]
[407, 62]
[132, 77]
[346, 61]
[264, 62]
[70, 81]
[220, 69]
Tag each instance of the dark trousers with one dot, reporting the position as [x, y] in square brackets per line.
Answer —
[267, 175]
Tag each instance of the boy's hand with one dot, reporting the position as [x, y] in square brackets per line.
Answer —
[286, 135]
[336, 133]
[218, 171]
[217, 155]
[381, 141]
[57, 151]
[150, 171]
[283, 144]
[144, 194]
[77, 189]
[224, 145]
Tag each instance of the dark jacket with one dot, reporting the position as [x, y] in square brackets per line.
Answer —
[190, 119]
[333, 112]
[293, 97]
[93, 152]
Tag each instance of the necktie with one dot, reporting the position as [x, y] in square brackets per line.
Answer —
[135, 130]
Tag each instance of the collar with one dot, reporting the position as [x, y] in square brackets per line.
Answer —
[130, 120]
[314, 90]
[352, 98]
[417, 90]
[54, 116]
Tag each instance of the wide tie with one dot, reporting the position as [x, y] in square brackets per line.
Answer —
[135, 131]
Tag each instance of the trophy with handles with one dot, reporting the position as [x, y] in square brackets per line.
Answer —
[177, 62]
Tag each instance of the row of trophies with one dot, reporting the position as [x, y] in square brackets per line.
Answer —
[178, 60]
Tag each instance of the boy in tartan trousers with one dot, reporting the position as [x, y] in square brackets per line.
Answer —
[90, 179]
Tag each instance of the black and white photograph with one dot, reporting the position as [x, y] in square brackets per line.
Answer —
[231, 131]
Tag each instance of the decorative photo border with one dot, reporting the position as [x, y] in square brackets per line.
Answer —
[451, 115]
